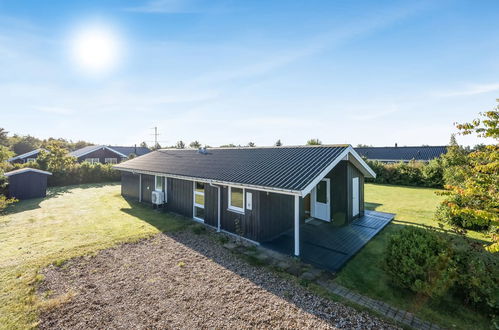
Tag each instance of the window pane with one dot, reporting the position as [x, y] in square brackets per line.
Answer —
[236, 197]
[199, 212]
[200, 187]
[199, 199]
[159, 183]
[321, 192]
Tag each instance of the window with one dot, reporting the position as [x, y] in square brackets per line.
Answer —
[30, 160]
[92, 160]
[111, 160]
[159, 183]
[198, 208]
[236, 199]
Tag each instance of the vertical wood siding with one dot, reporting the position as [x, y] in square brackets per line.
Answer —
[180, 194]
[211, 205]
[28, 185]
[102, 154]
[276, 215]
[130, 185]
[147, 187]
[339, 188]
[247, 224]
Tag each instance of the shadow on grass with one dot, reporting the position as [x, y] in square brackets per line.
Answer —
[372, 206]
[52, 192]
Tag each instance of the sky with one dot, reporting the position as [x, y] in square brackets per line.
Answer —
[220, 72]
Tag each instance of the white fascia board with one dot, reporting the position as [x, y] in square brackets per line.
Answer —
[217, 182]
[27, 154]
[97, 148]
[366, 170]
[321, 175]
[27, 169]
[366, 167]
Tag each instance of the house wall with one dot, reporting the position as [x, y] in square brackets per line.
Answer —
[180, 196]
[28, 185]
[130, 185]
[102, 154]
[25, 159]
[147, 187]
[276, 214]
[245, 224]
[353, 172]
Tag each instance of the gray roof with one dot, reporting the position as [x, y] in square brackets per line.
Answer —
[122, 151]
[290, 168]
[24, 170]
[26, 155]
[138, 151]
[402, 153]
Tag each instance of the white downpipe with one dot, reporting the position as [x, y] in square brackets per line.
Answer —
[140, 187]
[219, 210]
[297, 226]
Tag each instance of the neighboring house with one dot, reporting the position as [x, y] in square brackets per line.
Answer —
[26, 157]
[107, 154]
[402, 154]
[256, 193]
[26, 183]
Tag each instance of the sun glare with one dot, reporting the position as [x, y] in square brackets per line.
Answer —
[96, 49]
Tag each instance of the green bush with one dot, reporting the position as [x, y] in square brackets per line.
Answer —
[478, 280]
[409, 174]
[420, 260]
[434, 264]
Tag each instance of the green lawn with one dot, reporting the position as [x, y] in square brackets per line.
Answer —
[71, 221]
[364, 273]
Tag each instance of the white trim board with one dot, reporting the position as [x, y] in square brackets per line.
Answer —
[24, 170]
[97, 148]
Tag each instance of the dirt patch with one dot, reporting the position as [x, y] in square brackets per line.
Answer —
[184, 280]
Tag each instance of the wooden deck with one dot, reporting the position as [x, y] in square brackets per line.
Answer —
[328, 246]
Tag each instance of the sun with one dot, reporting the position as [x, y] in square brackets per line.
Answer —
[96, 49]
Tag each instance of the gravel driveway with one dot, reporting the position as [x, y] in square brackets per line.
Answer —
[188, 281]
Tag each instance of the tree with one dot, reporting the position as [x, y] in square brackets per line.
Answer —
[4, 138]
[23, 144]
[251, 144]
[314, 142]
[143, 144]
[157, 146]
[57, 159]
[230, 145]
[180, 145]
[473, 203]
[278, 143]
[5, 154]
[195, 144]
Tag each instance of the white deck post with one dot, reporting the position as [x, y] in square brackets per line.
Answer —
[297, 225]
[140, 187]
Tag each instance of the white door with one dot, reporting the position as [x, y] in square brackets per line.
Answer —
[355, 197]
[321, 200]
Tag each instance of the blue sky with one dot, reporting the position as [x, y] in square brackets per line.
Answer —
[371, 72]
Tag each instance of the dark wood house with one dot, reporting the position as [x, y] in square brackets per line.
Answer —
[30, 156]
[402, 154]
[255, 193]
[107, 154]
[27, 183]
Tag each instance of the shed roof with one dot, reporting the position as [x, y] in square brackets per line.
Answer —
[290, 168]
[25, 170]
[27, 154]
[424, 153]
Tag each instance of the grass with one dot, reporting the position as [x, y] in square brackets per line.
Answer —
[69, 222]
[365, 274]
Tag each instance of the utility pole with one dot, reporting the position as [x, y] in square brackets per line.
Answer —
[155, 135]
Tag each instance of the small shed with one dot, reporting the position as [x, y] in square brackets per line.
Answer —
[27, 183]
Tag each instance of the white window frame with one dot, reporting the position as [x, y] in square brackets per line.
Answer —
[194, 204]
[111, 160]
[165, 184]
[235, 208]
[30, 160]
[92, 160]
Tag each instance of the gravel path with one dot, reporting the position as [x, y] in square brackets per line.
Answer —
[187, 281]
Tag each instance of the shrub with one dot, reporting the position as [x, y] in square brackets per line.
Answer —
[478, 280]
[4, 202]
[420, 260]
[409, 174]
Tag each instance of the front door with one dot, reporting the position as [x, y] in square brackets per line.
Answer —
[355, 197]
[321, 200]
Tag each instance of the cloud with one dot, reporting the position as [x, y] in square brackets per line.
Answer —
[470, 90]
[55, 110]
[370, 115]
[165, 7]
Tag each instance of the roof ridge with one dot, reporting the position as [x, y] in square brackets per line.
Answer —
[266, 147]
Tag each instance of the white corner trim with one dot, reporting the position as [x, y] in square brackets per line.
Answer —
[362, 162]
[27, 169]
[97, 148]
